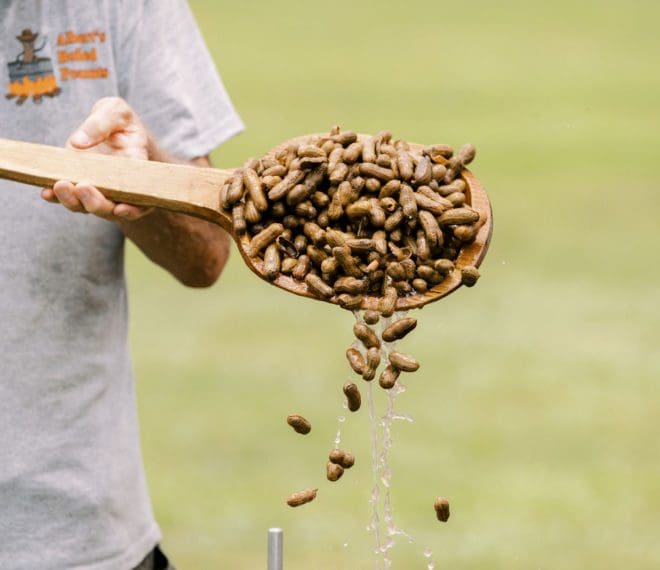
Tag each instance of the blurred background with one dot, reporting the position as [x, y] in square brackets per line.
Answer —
[536, 407]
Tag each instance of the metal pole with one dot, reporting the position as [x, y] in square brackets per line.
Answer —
[275, 548]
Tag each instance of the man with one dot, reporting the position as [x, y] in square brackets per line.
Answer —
[72, 488]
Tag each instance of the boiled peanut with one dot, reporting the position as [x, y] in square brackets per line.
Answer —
[348, 460]
[264, 238]
[405, 164]
[375, 171]
[387, 303]
[310, 151]
[283, 188]
[369, 150]
[353, 152]
[350, 285]
[302, 268]
[424, 171]
[444, 266]
[458, 216]
[469, 275]
[275, 170]
[388, 377]
[356, 360]
[467, 153]
[361, 245]
[371, 317]
[318, 286]
[391, 188]
[333, 471]
[272, 262]
[353, 398]
[420, 285]
[441, 506]
[345, 259]
[236, 190]
[399, 329]
[301, 497]
[407, 201]
[339, 173]
[288, 263]
[345, 138]
[238, 218]
[403, 362]
[336, 456]
[299, 423]
[350, 302]
[368, 337]
[254, 187]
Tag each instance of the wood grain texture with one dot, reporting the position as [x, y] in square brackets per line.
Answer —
[176, 187]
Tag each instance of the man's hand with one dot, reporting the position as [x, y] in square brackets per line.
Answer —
[194, 251]
[111, 128]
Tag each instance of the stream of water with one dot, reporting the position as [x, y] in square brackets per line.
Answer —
[382, 523]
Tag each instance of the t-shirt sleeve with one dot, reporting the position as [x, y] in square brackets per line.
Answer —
[167, 75]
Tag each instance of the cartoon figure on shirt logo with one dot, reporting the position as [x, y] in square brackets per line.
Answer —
[29, 74]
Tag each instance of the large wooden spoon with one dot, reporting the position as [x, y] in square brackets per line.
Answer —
[195, 191]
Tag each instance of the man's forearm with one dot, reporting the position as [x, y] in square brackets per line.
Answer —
[193, 250]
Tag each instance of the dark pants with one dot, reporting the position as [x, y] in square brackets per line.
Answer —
[155, 560]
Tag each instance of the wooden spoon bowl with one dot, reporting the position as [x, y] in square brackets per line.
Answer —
[195, 191]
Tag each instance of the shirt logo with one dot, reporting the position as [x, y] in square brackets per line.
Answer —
[33, 76]
[29, 74]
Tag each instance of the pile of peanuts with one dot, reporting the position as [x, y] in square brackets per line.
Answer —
[350, 216]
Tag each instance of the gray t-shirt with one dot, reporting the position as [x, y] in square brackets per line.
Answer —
[72, 487]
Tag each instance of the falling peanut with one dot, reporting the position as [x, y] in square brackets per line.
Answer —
[299, 423]
[403, 362]
[333, 471]
[301, 497]
[388, 377]
[337, 456]
[348, 460]
[353, 398]
[356, 361]
[368, 337]
[441, 506]
[399, 329]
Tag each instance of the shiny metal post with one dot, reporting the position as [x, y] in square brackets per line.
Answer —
[275, 548]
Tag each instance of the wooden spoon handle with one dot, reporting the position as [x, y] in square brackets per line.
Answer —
[175, 187]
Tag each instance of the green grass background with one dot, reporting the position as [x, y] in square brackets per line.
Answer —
[536, 407]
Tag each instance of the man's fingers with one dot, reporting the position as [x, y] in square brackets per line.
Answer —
[109, 115]
[129, 213]
[48, 195]
[86, 199]
[65, 193]
[93, 201]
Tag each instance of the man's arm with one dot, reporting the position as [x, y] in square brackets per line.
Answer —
[193, 250]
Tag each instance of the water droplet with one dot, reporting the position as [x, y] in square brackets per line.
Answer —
[428, 552]
[345, 544]
[341, 419]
